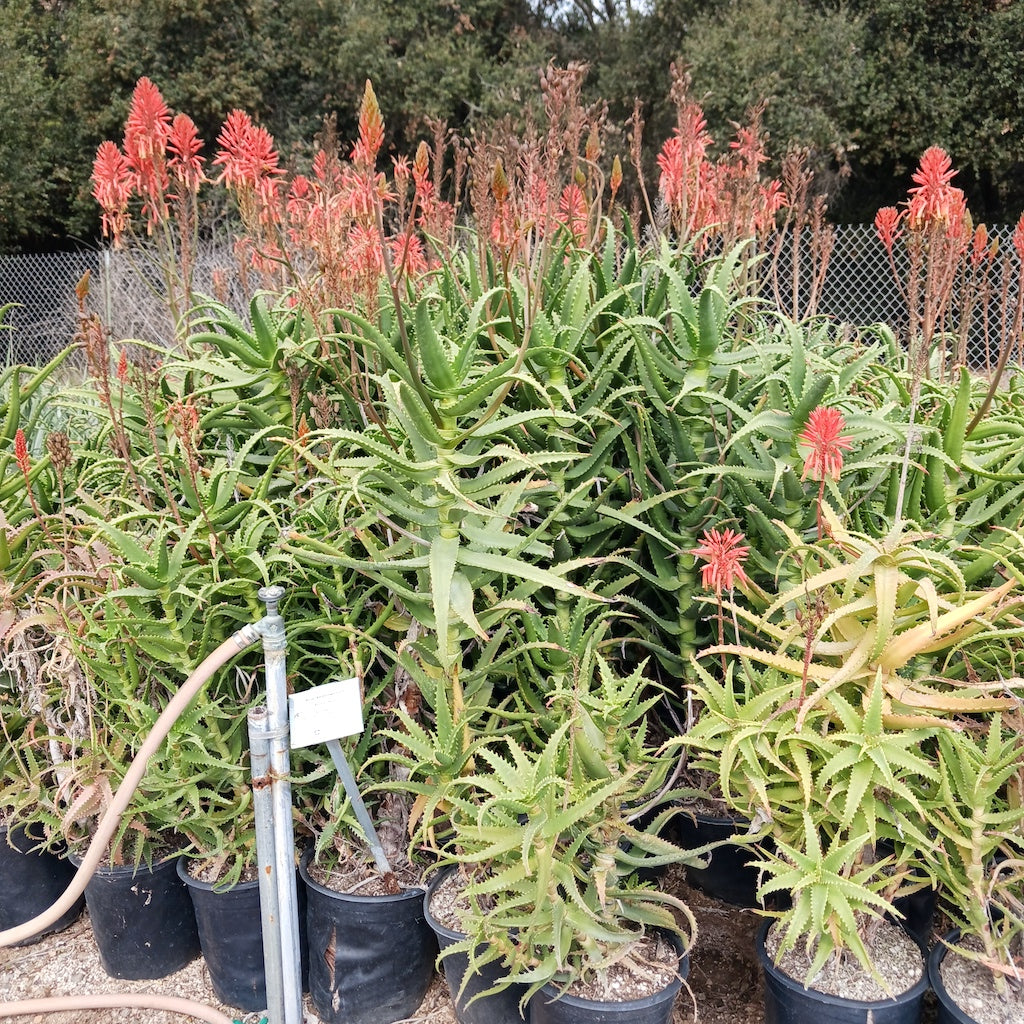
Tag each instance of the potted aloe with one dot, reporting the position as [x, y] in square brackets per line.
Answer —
[371, 951]
[977, 971]
[34, 869]
[823, 721]
[538, 816]
[141, 916]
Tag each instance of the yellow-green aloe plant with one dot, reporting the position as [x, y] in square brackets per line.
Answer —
[549, 841]
[824, 799]
[868, 609]
[977, 810]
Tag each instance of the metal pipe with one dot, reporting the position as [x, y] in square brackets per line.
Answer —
[274, 650]
[270, 911]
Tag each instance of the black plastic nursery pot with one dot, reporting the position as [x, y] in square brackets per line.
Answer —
[498, 1008]
[548, 1007]
[371, 958]
[950, 1012]
[142, 920]
[918, 910]
[33, 880]
[728, 876]
[787, 1001]
[231, 936]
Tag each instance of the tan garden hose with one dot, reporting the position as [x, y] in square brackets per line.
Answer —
[56, 1004]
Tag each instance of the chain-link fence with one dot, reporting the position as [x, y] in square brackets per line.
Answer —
[854, 285]
[858, 286]
[42, 286]
[125, 288]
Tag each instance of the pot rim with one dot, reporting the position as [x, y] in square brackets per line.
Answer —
[704, 818]
[114, 870]
[916, 991]
[214, 887]
[415, 893]
[549, 993]
[935, 958]
[441, 929]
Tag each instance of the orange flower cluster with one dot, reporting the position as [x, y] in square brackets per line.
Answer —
[933, 203]
[158, 162]
[727, 195]
[250, 163]
[336, 216]
[823, 435]
[933, 199]
[723, 551]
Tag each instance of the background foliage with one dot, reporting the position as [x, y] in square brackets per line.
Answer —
[866, 85]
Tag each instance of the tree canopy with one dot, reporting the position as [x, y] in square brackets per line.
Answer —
[863, 85]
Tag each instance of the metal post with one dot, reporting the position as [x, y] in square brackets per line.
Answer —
[283, 868]
[362, 815]
[270, 912]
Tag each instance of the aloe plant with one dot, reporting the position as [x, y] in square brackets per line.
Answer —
[546, 834]
[826, 720]
[976, 808]
[826, 793]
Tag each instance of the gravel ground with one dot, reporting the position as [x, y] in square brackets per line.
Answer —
[724, 979]
[724, 983]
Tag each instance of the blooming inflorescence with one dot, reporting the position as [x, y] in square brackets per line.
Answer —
[823, 435]
[723, 551]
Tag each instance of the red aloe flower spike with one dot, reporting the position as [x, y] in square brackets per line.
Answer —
[823, 434]
[184, 145]
[724, 552]
[407, 254]
[424, 187]
[146, 132]
[1018, 237]
[21, 452]
[499, 183]
[615, 181]
[573, 209]
[503, 232]
[672, 182]
[371, 130]
[247, 153]
[122, 367]
[979, 245]
[112, 188]
[770, 199]
[402, 171]
[421, 162]
[887, 222]
[749, 147]
[934, 199]
[149, 123]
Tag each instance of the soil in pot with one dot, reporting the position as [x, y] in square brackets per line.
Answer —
[33, 880]
[842, 993]
[441, 905]
[142, 920]
[230, 929]
[371, 958]
[621, 996]
[965, 989]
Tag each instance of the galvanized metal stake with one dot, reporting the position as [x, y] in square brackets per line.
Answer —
[270, 911]
[362, 814]
[271, 763]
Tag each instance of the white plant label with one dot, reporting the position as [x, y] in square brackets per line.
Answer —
[326, 712]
